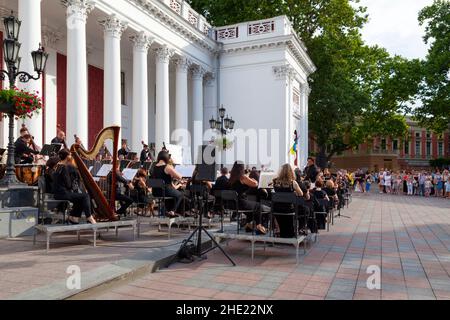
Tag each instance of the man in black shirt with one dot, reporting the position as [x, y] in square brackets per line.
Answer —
[222, 181]
[123, 152]
[22, 153]
[125, 201]
[311, 170]
[144, 154]
[60, 138]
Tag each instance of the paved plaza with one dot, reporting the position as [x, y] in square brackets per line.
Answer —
[408, 238]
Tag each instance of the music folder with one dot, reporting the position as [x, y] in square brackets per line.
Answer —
[50, 149]
[266, 180]
[104, 170]
[129, 174]
[186, 171]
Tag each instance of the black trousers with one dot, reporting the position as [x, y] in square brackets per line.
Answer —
[125, 203]
[81, 203]
[172, 193]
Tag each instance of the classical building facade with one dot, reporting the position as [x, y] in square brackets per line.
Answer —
[413, 152]
[157, 66]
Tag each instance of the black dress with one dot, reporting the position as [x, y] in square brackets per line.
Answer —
[285, 223]
[245, 204]
[66, 186]
[169, 190]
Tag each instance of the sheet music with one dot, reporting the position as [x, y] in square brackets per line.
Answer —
[129, 174]
[186, 171]
[104, 170]
[266, 180]
[91, 168]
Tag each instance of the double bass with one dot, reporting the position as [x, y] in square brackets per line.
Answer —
[104, 209]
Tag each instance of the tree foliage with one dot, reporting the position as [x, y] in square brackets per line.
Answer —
[358, 91]
[435, 89]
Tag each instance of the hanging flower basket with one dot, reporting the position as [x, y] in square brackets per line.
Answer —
[21, 103]
[223, 144]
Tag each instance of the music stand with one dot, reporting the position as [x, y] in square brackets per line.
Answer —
[50, 150]
[205, 173]
[131, 156]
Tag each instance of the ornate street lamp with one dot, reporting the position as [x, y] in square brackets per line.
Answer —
[12, 27]
[12, 59]
[222, 124]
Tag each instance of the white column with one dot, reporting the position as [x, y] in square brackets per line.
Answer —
[162, 134]
[50, 37]
[197, 101]
[181, 108]
[304, 139]
[142, 43]
[30, 37]
[77, 96]
[112, 106]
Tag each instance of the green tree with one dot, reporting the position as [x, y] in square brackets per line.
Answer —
[357, 91]
[435, 90]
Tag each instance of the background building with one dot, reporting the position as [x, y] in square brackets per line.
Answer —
[155, 66]
[415, 152]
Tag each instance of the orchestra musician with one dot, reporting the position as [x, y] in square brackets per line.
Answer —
[144, 153]
[124, 151]
[125, 201]
[165, 171]
[66, 186]
[23, 154]
[142, 194]
[60, 139]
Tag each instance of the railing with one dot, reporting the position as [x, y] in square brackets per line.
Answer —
[384, 152]
[183, 9]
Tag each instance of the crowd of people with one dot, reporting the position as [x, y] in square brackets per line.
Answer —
[411, 183]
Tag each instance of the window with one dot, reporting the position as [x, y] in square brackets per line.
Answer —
[383, 144]
[418, 135]
[122, 88]
[428, 136]
[395, 145]
[428, 148]
[418, 148]
[406, 147]
[441, 149]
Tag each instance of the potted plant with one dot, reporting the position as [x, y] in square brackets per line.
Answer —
[223, 144]
[21, 103]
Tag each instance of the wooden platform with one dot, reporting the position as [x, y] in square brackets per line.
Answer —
[49, 230]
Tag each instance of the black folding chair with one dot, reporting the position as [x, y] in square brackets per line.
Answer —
[231, 202]
[159, 185]
[288, 198]
[324, 203]
[47, 203]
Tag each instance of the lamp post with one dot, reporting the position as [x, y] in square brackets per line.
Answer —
[222, 124]
[11, 52]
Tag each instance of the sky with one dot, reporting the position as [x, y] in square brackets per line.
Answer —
[393, 24]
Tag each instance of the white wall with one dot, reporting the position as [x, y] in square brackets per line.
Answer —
[256, 99]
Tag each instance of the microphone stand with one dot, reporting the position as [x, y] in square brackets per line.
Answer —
[200, 191]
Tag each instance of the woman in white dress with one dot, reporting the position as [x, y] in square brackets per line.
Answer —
[388, 182]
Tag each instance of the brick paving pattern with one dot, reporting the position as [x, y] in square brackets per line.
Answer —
[408, 238]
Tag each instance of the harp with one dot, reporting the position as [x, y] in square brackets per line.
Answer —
[104, 209]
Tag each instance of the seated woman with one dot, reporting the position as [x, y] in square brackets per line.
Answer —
[331, 190]
[319, 194]
[165, 171]
[286, 183]
[241, 183]
[141, 193]
[66, 186]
